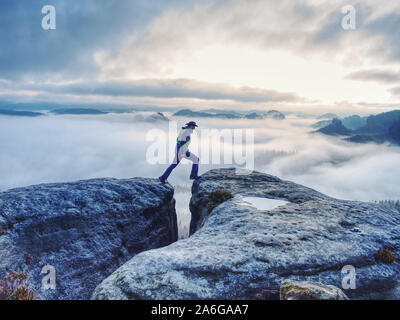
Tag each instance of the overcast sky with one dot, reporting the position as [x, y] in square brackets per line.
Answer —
[228, 54]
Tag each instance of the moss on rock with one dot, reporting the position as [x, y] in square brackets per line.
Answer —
[217, 197]
[307, 290]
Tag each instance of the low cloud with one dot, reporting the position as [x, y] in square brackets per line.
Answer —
[68, 148]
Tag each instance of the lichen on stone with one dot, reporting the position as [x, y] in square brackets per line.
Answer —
[217, 197]
[385, 255]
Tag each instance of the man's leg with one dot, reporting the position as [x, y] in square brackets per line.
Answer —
[167, 172]
[195, 167]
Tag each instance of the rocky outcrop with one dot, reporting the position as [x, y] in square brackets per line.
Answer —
[254, 116]
[155, 117]
[307, 290]
[328, 116]
[84, 229]
[353, 122]
[335, 128]
[237, 250]
[394, 132]
[255, 184]
[274, 114]
[380, 128]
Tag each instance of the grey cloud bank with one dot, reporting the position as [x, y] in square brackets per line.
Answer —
[120, 40]
[83, 27]
[159, 88]
[384, 76]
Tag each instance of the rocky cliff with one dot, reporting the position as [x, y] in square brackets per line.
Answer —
[237, 250]
[84, 229]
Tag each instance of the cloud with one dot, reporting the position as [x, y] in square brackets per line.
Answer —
[386, 27]
[160, 88]
[177, 34]
[330, 165]
[308, 28]
[123, 40]
[83, 28]
[395, 91]
[69, 148]
[131, 38]
[382, 76]
[387, 77]
[331, 30]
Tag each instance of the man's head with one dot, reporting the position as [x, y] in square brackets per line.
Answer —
[191, 125]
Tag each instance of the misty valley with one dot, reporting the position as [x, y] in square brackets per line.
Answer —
[82, 143]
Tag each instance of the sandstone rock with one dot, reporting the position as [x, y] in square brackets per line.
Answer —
[237, 250]
[85, 229]
[255, 184]
[307, 290]
[266, 294]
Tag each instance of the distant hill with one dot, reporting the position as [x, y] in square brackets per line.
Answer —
[365, 138]
[254, 115]
[380, 123]
[212, 113]
[217, 111]
[353, 122]
[328, 116]
[77, 111]
[115, 108]
[394, 132]
[202, 114]
[20, 113]
[321, 124]
[155, 117]
[305, 115]
[380, 128]
[159, 116]
[274, 114]
[335, 128]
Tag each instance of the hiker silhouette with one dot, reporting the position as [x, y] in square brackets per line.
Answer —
[182, 152]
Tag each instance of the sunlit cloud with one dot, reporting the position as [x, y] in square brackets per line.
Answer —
[261, 51]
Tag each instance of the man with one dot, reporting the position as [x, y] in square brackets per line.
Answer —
[181, 151]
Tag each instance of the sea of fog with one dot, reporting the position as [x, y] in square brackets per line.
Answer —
[72, 147]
